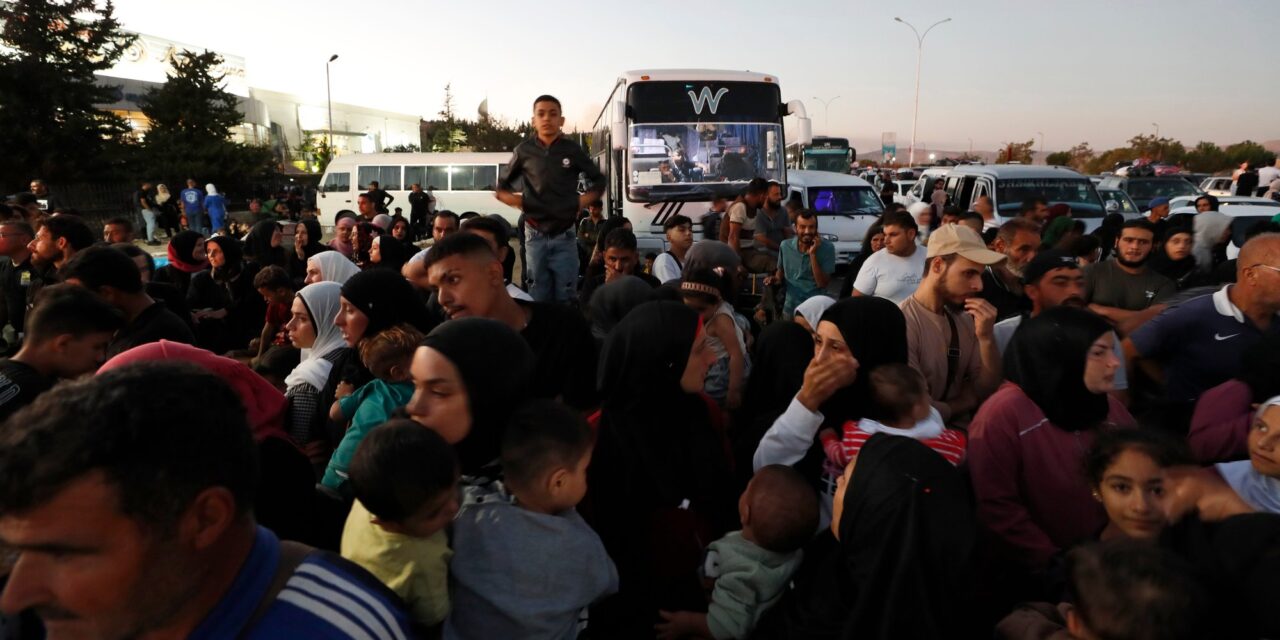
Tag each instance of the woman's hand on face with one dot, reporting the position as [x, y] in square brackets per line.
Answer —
[1193, 489]
[823, 377]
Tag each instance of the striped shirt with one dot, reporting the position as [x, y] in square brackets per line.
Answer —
[951, 444]
[326, 597]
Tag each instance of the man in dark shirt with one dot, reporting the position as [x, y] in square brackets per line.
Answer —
[15, 276]
[468, 279]
[1124, 290]
[549, 165]
[621, 259]
[70, 329]
[1018, 240]
[419, 211]
[379, 196]
[115, 278]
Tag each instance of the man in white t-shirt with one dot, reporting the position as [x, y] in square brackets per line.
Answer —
[1267, 174]
[895, 271]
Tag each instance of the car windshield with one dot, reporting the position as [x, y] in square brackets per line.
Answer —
[1146, 189]
[699, 160]
[1077, 193]
[845, 200]
[1118, 196]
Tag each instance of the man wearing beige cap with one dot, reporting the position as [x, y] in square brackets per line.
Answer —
[949, 336]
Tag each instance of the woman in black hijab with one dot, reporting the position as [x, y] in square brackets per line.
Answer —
[389, 253]
[186, 258]
[1107, 233]
[897, 560]
[306, 243]
[1173, 258]
[781, 354]
[855, 336]
[874, 236]
[613, 301]
[262, 245]
[227, 309]
[659, 482]
[494, 367]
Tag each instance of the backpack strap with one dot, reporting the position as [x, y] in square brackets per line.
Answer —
[953, 354]
[291, 556]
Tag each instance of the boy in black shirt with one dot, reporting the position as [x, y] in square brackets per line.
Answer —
[69, 329]
[115, 278]
[549, 165]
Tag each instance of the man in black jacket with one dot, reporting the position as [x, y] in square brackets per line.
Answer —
[549, 165]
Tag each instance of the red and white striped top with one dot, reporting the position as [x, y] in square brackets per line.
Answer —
[951, 444]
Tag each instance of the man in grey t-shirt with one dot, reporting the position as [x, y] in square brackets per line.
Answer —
[1124, 290]
[772, 224]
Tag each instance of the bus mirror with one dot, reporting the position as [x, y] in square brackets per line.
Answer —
[805, 134]
[618, 128]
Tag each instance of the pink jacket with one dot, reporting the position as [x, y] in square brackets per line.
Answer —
[1028, 477]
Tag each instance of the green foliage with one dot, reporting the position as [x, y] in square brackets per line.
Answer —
[191, 117]
[451, 133]
[1251, 152]
[1058, 158]
[1206, 157]
[49, 51]
[403, 148]
[315, 152]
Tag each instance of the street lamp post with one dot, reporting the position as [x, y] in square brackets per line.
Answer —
[915, 116]
[826, 113]
[329, 94]
[1041, 133]
[1157, 126]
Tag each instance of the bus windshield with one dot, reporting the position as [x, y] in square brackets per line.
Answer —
[1077, 193]
[699, 160]
[692, 140]
[836, 160]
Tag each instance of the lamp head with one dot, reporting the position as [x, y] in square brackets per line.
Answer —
[333, 57]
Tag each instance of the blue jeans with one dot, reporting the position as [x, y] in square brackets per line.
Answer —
[552, 264]
[196, 222]
[150, 216]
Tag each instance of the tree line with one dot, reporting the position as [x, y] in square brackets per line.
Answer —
[1204, 157]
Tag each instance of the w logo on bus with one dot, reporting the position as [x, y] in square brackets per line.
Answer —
[705, 98]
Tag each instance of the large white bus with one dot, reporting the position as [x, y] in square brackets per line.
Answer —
[670, 140]
[460, 182]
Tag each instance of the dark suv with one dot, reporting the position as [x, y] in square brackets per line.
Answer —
[1146, 188]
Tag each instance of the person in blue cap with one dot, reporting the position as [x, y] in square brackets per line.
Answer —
[1158, 214]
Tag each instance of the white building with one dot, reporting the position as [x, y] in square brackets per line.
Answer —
[280, 120]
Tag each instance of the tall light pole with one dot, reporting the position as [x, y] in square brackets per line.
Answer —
[826, 113]
[915, 116]
[1157, 126]
[1041, 133]
[329, 93]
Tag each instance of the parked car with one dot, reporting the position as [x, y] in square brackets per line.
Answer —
[1117, 201]
[1146, 188]
[923, 189]
[1219, 186]
[903, 189]
[1195, 178]
[1009, 185]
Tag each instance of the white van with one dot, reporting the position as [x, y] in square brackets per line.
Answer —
[846, 207]
[460, 182]
[922, 190]
[1009, 185]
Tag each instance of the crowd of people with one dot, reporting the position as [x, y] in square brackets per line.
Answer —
[988, 431]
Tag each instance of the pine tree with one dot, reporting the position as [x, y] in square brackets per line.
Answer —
[191, 118]
[50, 126]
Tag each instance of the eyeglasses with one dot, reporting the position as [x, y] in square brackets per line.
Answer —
[1266, 266]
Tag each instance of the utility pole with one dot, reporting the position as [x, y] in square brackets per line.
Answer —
[915, 115]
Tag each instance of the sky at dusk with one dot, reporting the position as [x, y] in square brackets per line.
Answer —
[1001, 70]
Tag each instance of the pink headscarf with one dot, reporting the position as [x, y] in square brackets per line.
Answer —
[345, 248]
[264, 404]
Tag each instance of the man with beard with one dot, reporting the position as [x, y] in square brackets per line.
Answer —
[621, 258]
[58, 239]
[805, 263]
[1018, 240]
[1052, 279]
[468, 279]
[893, 272]
[1124, 290]
[949, 327]
[772, 225]
[120, 521]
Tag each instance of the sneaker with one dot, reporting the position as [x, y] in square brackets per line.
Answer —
[153, 243]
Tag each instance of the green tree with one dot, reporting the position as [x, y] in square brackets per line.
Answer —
[1059, 158]
[1251, 152]
[50, 126]
[314, 151]
[192, 117]
[1206, 157]
[446, 134]
[1016, 152]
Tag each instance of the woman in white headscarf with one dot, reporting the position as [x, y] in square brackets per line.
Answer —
[330, 266]
[1257, 479]
[922, 213]
[311, 329]
[809, 312]
[216, 206]
[1210, 228]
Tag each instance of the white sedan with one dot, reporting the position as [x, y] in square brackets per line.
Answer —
[903, 187]
[1218, 187]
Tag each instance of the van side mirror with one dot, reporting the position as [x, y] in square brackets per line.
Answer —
[618, 128]
[1113, 206]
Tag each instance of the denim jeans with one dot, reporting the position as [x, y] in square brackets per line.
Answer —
[552, 264]
[150, 216]
[196, 222]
